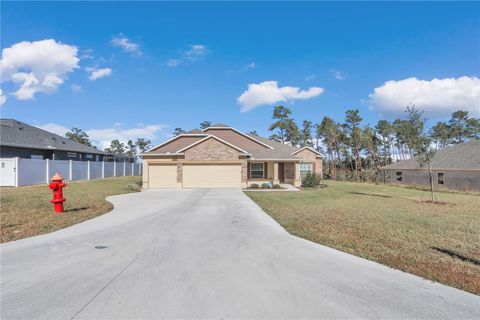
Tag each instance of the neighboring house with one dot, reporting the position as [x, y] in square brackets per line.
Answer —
[18, 139]
[223, 157]
[456, 167]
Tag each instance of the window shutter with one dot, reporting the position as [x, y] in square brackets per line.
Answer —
[248, 170]
[265, 170]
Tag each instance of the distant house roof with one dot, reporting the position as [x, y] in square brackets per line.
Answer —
[15, 133]
[463, 156]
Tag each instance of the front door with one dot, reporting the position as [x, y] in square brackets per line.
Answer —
[281, 172]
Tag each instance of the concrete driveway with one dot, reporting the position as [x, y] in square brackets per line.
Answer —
[205, 254]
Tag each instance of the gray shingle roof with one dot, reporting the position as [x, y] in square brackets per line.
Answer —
[19, 134]
[279, 151]
[462, 156]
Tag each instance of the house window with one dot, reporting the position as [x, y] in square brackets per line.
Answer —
[399, 176]
[71, 154]
[305, 168]
[89, 156]
[36, 157]
[256, 170]
[440, 178]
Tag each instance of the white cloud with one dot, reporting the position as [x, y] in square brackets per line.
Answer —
[126, 44]
[268, 93]
[3, 99]
[194, 53]
[310, 77]
[438, 97]
[76, 88]
[54, 128]
[249, 66]
[38, 66]
[338, 74]
[102, 137]
[98, 73]
[173, 63]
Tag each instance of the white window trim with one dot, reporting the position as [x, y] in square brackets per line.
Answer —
[263, 170]
[310, 170]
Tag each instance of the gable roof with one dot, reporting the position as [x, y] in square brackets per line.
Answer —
[211, 137]
[221, 126]
[309, 148]
[279, 151]
[195, 137]
[259, 148]
[14, 133]
[463, 156]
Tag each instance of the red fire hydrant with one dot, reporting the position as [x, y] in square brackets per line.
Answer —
[57, 187]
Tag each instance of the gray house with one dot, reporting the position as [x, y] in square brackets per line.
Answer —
[456, 167]
[18, 139]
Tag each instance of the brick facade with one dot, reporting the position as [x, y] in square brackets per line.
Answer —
[289, 171]
[244, 171]
[211, 149]
[179, 172]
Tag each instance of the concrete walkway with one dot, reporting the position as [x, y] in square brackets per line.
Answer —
[205, 254]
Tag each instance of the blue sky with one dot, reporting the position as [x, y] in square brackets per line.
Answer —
[146, 68]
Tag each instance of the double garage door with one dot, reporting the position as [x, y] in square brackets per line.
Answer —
[196, 176]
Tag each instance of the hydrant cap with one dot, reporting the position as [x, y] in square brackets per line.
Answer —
[56, 176]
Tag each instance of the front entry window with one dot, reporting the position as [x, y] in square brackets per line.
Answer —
[305, 168]
[256, 170]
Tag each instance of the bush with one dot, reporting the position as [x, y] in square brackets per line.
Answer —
[134, 187]
[266, 185]
[277, 186]
[254, 186]
[311, 180]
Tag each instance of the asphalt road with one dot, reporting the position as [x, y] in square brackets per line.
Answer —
[205, 254]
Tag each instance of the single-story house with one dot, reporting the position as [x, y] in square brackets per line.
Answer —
[456, 167]
[18, 139]
[223, 157]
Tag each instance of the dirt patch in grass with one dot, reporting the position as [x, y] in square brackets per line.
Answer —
[27, 211]
[391, 225]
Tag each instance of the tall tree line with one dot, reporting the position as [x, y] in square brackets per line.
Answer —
[357, 151]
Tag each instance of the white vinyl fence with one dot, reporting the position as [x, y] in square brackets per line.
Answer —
[23, 172]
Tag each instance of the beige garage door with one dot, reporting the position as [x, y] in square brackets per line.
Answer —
[162, 176]
[212, 176]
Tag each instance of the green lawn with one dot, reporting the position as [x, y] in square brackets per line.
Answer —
[27, 211]
[391, 225]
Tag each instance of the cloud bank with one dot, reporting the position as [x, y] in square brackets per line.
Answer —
[102, 137]
[437, 97]
[38, 66]
[268, 93]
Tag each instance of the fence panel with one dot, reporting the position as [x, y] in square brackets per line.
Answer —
[79, 170]
[128, 169]
[95, 170]
[60, 166]
[119, 169]
[31, 171]
[108, 169]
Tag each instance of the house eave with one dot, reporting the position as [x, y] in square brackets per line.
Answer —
[15, 145]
